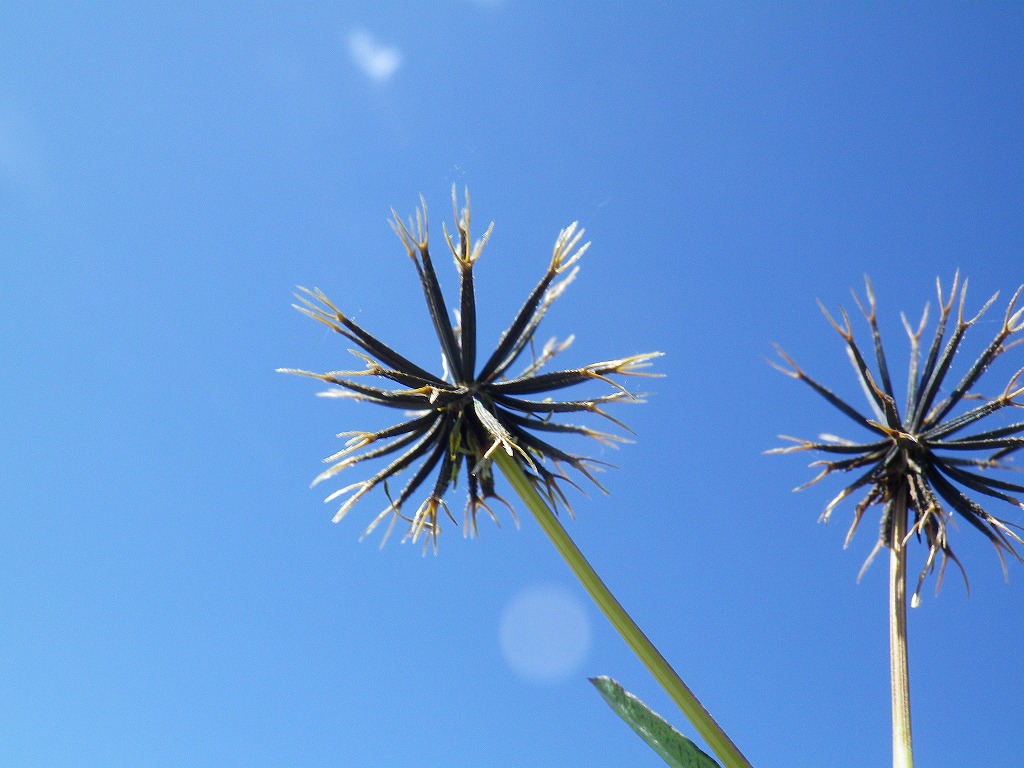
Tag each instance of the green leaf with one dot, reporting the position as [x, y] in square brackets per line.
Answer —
[674, 748]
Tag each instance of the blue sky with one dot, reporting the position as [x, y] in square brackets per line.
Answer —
[174, 595]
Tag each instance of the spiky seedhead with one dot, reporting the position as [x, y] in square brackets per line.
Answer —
[457, 420]
[920, 453]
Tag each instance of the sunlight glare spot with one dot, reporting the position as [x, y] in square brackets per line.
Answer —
[545, 634]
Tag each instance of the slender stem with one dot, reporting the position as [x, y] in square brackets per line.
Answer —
[638, 642]
[902, 743]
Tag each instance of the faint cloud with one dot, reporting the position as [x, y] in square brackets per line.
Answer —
[19, 160]
[544, 633]
[377, 61]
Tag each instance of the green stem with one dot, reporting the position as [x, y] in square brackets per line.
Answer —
[902, 743]
[638, 642]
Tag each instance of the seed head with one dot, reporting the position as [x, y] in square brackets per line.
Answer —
[920, 454]
[456, 420]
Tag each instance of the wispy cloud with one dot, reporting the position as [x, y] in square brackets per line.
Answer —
[377, 61]
[19, 161]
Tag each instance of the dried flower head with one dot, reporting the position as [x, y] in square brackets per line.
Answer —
[458, 419]
[918, 460]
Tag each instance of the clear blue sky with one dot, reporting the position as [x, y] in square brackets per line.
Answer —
[172, 593]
